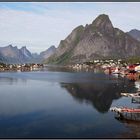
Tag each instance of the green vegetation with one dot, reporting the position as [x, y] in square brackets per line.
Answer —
[94, 28]
[2, 65]
[62, 42]
[133, 60]
[79, 32]
[63, 59]
[89, 63]
[121, 34]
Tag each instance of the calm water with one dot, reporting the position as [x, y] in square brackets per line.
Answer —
[63, 104]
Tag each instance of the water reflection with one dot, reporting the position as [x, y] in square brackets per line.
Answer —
[11, 81]
[98, 90]
[60, 104]
[99, 94]
[137, 84]
[133, 129]
[70, 69]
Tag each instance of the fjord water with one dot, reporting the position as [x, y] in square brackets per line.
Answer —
[62, 104]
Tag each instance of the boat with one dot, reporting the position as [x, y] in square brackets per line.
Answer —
[124, 113]
[130, 94]
[124, 109]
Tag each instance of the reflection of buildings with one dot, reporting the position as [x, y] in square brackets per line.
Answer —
[99, 94]
[133, 130]
[11, 81]
[137, 84]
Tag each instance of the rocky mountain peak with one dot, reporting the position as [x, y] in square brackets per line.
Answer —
[52, 47]
[15, 47]
[134, 30]
[23, 48]
[10, 46]
[103, 23]
[26, 52]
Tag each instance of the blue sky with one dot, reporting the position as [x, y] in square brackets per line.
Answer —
[40, 25]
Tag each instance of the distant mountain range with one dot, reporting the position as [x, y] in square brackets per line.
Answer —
[96, 40]
[11, 54]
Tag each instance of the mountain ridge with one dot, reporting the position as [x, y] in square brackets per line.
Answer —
[11, 54]
[96, 40]
[48, 52]
[135, 34]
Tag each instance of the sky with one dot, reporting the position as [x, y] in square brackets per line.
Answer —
[38, 25]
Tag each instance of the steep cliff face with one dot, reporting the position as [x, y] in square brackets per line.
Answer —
[97, 40]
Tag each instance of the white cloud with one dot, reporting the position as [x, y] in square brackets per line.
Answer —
[38, 31]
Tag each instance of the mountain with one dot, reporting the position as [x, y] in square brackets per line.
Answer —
[96, 40]
[47, 53]
[11, 54]
[135, 34]
[26, 52]
[2, 59]
[39, 58]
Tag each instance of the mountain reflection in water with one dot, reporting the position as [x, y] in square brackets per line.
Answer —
[99, 94]
[11, 80]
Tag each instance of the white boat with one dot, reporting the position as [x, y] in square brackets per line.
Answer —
[131, 94]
